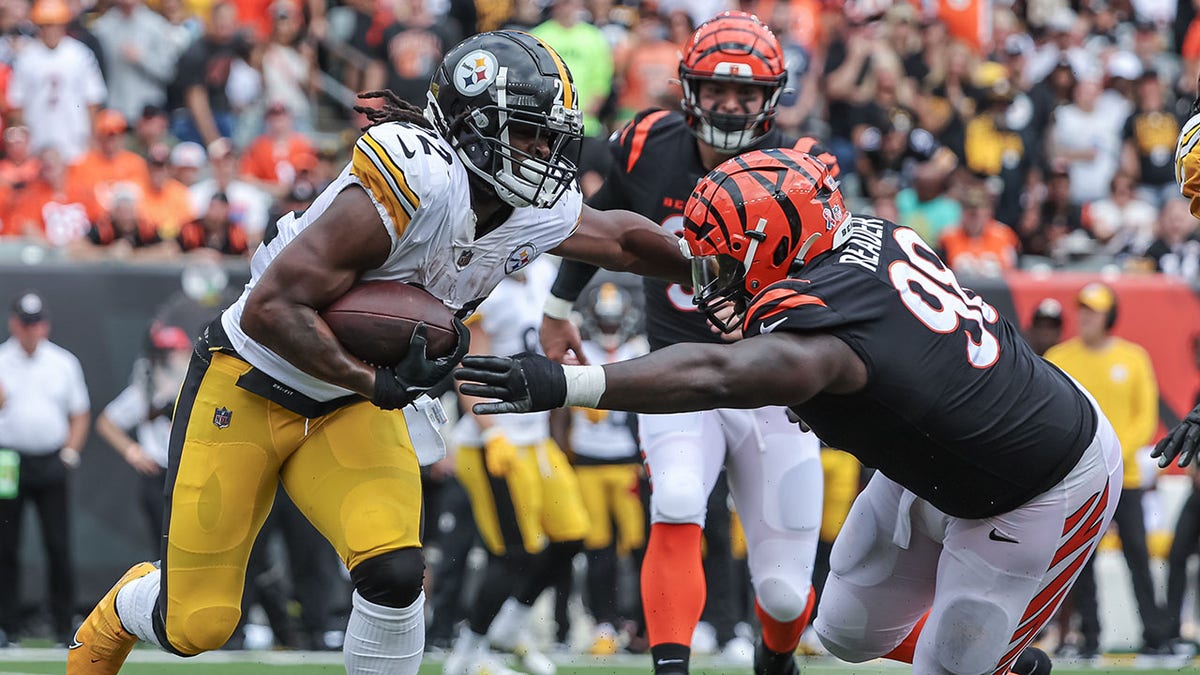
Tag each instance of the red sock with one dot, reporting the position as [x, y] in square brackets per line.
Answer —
[782, 637]
[904, 651]
[673, 590]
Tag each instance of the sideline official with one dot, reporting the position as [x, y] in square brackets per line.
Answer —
[44, 416]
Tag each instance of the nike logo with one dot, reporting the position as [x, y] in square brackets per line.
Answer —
[663, 662]
[996, 535]
[765, 327]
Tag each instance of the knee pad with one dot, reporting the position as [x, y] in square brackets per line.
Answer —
[678, 498]
[392, 579]
[782, 598]
[843, 632]
[972, 634]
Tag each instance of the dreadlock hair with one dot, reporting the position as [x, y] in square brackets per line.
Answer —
[394, 109]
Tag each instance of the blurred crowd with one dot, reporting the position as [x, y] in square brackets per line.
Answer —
[183, 127]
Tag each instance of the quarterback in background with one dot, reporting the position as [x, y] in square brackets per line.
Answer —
[733, 74]
[452, 198]
[996, 473]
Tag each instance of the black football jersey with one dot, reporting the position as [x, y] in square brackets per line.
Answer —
[656, 166]
[957, 407]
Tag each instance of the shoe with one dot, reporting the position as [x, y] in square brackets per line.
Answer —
[1159, 656]
[533, 661]
[605, 641]
[1032, 661]
[767, 662]
[704, 639]
[740, 651]
[101, 643]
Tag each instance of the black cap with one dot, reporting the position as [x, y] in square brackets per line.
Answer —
[29, 308]
[1048, 310]
[150, 111]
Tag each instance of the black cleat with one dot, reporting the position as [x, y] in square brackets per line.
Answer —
[1032, 661]
[767, 662]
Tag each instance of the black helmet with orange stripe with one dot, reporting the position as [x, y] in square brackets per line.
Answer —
[732, 47]
[754, 220]
[495, 86]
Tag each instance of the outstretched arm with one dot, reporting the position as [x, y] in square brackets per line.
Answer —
[623, 241]
[776, 369]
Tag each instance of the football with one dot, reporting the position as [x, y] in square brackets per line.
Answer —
[375, 319]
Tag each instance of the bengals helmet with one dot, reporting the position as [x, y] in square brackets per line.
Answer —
[754, 220]
[501, 84]
[609, 317]
[731, 47]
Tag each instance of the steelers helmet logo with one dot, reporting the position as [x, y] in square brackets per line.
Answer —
[475, 72]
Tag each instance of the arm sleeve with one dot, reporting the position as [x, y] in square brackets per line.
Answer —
[129, 409]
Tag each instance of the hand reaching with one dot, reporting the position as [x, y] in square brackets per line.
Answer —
[1181, 442]
[522, 383]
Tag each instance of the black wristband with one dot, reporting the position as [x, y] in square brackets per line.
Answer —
[573, 277]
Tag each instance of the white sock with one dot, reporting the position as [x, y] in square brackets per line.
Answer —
[136, 603]
[506, 628]
[384, 640]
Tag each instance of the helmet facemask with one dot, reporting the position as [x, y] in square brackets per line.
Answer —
[727, 132]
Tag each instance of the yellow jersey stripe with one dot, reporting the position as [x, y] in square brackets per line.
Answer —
[563, 74]
[363, 167]
[393, 170]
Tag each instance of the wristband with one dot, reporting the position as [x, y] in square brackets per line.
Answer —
[557, 308]
[585, 385]
[69, 456]
[491, 433]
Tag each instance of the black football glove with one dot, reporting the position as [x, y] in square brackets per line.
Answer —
[1181, 442]
[416, 373]
[523, 383]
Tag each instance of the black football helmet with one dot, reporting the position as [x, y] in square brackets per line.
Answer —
[609, 316]
[501, 84]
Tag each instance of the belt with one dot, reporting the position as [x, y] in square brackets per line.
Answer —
[255, 381]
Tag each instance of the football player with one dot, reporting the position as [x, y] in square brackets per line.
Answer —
[733, 74]
[524, 494]
[997, 474]
[1183, 441]
[452, 198]
[608, 462]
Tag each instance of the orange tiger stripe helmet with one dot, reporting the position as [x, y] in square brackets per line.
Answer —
[754, 220]
[731, 47]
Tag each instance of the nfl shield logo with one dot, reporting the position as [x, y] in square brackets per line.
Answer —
[221, 418]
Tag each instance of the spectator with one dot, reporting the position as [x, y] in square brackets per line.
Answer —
[215, 230]
[410, 51]
[1118, 374]
[980, 246]
[925, 206]
[144, 409]
[1176, 251]
[274, 158]
[52, 208]
[1045, 328]
[1122, 221]
[648, 65]
[289, 65]
[187, 160]
[109, 163]
[183, 27]
[56, 85]
[152, 127]
[167, 202]
[1088, 139]
[1149, 142]
[1047, 224]
[891, 145]
[994, 148]
[248, 205]
[19, 167]
[44, 415]
[586, 52]
[204, 112]
[15, 29]
[122, 233]
[139, 56]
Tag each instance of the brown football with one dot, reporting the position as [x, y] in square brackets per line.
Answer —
[375, 319]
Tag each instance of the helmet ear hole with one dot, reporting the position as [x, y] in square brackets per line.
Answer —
[781, 251]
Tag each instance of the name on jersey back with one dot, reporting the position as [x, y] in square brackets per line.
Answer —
[864, 240]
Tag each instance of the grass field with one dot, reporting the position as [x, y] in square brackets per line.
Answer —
[149, 662]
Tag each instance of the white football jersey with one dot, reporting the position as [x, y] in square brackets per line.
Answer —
[511, 317]
[420, 189]
[609, 438]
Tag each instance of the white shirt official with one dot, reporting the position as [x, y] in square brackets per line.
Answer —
[42, 392]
